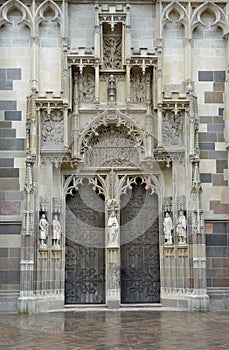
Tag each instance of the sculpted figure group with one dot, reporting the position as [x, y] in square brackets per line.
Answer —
[43, 231]
[180, 228]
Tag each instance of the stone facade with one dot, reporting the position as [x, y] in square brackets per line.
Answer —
[113, 114]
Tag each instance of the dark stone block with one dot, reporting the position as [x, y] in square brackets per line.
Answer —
[10, 184]
[10, 229]
[221, 263]
[10, 276]
[2, 195]
[10, 208]
[3, 252]
[217, 273]
[207, 145]
[209, 282]
[11, 144]
[218, 180]
[7, 133]
[221, 110]
[14, 73]
[204, 155]
[220, 227]
[14, 195]
[218, 120]
[215, 127]
[8, 105]
[217, 251]
[207, 137]
[13, 115]
[216, 240]
[206, 178]
[218, 154]
[6, 84]
[221, 165]
[205, 120]
[2, 73]
[7, 144]
[219, 76]
[218, 86]
[220, 137]
[20, 144]
[6, 162]
[8, 172]
[205, 76]
[15, 252]
[6, 125]
[219, 208]
[213, 97]
[10, 263]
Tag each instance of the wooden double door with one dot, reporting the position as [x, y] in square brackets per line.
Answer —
[85, 254]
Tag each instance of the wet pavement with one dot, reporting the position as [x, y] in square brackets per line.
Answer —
[115, 330]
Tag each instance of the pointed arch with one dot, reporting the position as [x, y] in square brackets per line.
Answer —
[26, 19]
[182, 12]
[220, 16]
[40, 14]
[107, 118]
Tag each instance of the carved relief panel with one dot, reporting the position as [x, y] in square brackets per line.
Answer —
[52, 128]
[138, 87]
[113, 147]
[86, 88]
[112, 46]
[172, 132]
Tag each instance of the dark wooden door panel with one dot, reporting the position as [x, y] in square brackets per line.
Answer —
[85, 253]
[140, 269]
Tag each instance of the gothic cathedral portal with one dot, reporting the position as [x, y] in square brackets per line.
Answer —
[112, 212]
[112, 244]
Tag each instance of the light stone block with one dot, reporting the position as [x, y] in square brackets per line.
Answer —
[208, 166]
[10, 241]
[225, 196]
[203, 127]
[220, 146]
[226, 174]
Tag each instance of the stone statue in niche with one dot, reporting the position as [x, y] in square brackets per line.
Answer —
[52, 128]
[112, 57]
[113, 230]
[87, 88]
[181, 229]
[56, 233]
[138, 88]
[168, 226]
[111, 89]
[43, 230]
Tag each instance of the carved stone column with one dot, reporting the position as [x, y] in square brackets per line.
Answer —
[225, 192]
[128, 82]
[75, 117]
[26, 301]
[112, 241]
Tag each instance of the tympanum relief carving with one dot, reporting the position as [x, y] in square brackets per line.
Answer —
[112, 147]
